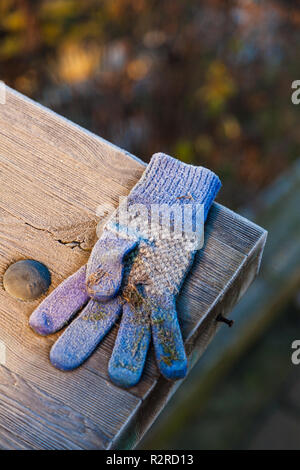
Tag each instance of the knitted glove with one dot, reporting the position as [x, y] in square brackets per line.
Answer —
[137, 267]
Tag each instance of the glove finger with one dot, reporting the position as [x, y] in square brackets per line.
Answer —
[84, 334]
[129, 354]
[105, 267]
[64, 302]
[167, 338]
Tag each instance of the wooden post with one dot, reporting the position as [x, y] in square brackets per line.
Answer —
[53, 176]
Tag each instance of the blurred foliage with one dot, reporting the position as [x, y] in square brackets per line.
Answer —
[209, 82]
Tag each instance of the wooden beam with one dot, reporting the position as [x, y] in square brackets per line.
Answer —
[53, 175]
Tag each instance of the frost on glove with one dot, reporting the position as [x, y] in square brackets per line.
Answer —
[136, 268]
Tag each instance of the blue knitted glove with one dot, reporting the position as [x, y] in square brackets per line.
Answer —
[137, 268]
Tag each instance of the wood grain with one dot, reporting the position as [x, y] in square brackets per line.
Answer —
[53, 176]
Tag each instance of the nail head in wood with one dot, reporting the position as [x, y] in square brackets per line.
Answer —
[27, 279]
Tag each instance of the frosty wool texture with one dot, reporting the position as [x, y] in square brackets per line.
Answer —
[137, 272]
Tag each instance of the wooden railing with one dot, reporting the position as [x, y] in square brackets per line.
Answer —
[53, 176]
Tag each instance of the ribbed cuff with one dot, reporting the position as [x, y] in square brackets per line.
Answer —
[167, 180]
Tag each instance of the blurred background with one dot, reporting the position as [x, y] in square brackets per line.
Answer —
[210, 83]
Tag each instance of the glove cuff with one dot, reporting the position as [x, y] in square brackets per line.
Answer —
[167, 180]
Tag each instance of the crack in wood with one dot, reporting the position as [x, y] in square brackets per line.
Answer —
[69, 243]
